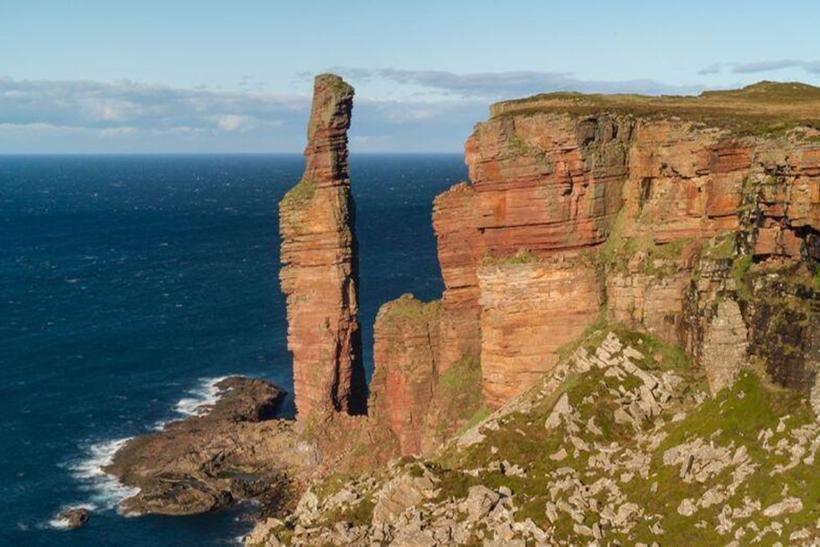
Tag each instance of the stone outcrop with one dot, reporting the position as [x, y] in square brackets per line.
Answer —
[617, 444]
[235, 451]
[405, 351]
[319, 263]
[725, 346]
[73, 518]
[412, 396]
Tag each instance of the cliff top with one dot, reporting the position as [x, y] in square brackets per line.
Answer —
[761, 108]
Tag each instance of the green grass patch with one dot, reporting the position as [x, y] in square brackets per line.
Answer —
[408, 308]
[740, 274]
[300, 195]
[767, 109]
[522, 256]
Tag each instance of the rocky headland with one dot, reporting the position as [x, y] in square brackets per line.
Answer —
[626, 350]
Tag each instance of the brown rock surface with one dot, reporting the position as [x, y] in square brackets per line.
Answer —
[460, 249]
[202, 463]
[636, 189]
[319, 263]
[406, 344]
[528, 311]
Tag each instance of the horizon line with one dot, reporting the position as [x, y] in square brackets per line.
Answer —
[78, 154]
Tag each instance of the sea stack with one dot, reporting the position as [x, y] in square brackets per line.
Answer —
[319, 263]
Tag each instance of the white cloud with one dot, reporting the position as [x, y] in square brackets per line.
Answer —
[756, 67]
[512, 84]
[234, 122]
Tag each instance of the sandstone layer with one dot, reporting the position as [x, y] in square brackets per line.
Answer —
[319, 263]
[647, 212]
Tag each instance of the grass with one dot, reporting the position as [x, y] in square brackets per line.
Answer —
[764, 108]
[300, 195]
[409, 308]
[720, 247]
[522, 256]
[734, 417]
[457, 399]
[462, 375]
[740, 274]
[482, 413]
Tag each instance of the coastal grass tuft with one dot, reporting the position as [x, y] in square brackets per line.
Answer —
[300, 195]
[409, 308]
[522, 256]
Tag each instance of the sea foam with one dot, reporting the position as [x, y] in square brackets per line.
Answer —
[105, 490]
[202, 398]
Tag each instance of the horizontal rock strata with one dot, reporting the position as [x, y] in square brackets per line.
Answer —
[319, 263]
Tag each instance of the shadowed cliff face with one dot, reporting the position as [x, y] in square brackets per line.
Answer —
[319, 263]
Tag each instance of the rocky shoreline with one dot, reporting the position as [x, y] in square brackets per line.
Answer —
[206, 462]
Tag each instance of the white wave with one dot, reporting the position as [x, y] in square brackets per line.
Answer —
[203, 397]
[105, 490]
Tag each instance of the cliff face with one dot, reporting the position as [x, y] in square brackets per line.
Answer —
[693, 219]
[319, 262]
[695, 223]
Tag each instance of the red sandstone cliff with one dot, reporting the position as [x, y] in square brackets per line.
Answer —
[694, 219]
[319, 263]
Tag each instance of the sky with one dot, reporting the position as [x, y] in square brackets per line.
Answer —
[178, 76]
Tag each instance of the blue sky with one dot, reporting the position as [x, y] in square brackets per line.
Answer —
[179, 76]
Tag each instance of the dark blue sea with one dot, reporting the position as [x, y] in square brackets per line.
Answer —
[128, 284]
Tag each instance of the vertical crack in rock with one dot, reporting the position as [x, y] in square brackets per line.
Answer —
[319, 256]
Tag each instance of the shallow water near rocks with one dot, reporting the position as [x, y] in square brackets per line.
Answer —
[132, 284]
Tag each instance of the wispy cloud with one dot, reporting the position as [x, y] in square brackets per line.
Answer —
[60, 116]
[89, 104]
[395, 110]
[495, 85]
[756, 67]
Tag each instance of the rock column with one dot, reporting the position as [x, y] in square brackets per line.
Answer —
[319, 263]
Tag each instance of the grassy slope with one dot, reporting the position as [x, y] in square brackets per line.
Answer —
[735, 417]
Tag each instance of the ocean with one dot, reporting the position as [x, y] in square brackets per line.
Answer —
[130, 284]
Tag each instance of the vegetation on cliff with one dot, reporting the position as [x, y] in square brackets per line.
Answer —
[764, 108]
[619, 443]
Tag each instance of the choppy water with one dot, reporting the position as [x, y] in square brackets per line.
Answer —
[129, 285]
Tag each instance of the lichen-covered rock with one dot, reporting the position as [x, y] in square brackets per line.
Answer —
[319, 263]
[672, 472]
[725, 346]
